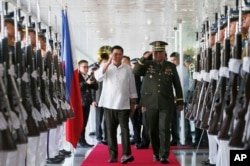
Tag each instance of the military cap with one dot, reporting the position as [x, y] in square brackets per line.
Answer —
[223, 22]
[20, 23]
[234, 16]
[41, 34]
[31, 27]
[245, 8]
[213, 29]
[94, 66]
[134, 60]
[159, 45]
[9, 18]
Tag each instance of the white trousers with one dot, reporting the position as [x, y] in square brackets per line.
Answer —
[60, 136]
[32, 147]
[223, 154]
[213, 149]
[21, 154]
[52, 143]
[41, 150]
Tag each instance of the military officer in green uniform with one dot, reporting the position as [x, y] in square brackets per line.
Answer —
[157, 97]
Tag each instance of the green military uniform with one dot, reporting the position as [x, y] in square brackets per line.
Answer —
[158, 98]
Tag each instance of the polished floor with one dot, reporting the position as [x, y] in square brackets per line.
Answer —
[186, 157]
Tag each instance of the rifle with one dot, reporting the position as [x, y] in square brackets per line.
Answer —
[190, 95]
[36, 100]
[12, 92]
[7, 139]
[64, 104]
[230, 100]
[240, 110]
[49, 93]
[25, 90]
[215, 116]
[203, 97]
[206, 92]
[57, 89]
[51, 121]
[196, 88]
[199, 86]
[207, 105]
[61, 88]
[6, 133]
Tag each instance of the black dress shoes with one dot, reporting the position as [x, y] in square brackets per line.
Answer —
[164, 160]
[156, 158]
[86, 145]
[54, 160]
[65, 153]
[112, 160]
[60, 156]
[141, 146]
[132, 141]
[104, 142]
[91, 133]
[173, 143]
[127, 158]
[205, 162]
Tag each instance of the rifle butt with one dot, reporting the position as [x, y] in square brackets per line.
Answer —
[193, 112]
[59, 118]
[52, 124]
[223, 133]
[64, 114]
[204, 122]
[21, 136]
[197, 123]
[215, 123]
[43, 127]
[71, 113]
[7, 142]
[247, 144]
[237, 135]
[213, 126]
[32, 127]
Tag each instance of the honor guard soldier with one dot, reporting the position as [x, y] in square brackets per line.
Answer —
[157, 97]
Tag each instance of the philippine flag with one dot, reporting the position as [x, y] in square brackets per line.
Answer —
[73, 126]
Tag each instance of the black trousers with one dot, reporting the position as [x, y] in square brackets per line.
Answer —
[114, 118]
[159, 123]
[137, 122]
[86, 110]
[145, 137]
[175, 126]
[101, 134]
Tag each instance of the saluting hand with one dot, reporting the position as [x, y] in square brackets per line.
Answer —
[147, 55]
[110, 59]
[108, 63]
